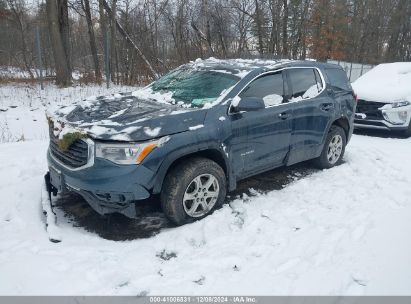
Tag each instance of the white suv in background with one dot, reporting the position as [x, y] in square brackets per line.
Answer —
[384, 98]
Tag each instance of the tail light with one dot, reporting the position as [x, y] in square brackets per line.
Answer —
[355, 96]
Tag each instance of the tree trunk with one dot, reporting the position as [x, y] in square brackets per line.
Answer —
[128, 40]
[208, 27]
[63, 73]
[64, 29]
[258, 20]
[93, 46]
[103, 29]
[285, 29]
[113, 50]
[19, 21]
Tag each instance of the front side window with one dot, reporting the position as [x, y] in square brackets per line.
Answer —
[305, 83]
[270, 88]
[195, 87]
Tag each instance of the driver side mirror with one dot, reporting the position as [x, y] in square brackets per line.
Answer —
[247, 104]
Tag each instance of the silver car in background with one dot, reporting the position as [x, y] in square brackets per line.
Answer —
[384, 98]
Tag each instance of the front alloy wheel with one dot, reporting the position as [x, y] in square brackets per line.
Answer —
[201, 195]
[192, 190]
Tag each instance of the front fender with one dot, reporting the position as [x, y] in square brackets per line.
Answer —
[183, 145]
[205, 150]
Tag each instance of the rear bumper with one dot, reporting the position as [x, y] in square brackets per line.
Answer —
[107, 187]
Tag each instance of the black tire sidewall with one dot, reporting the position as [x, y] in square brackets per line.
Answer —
[177, 182]
[323, 159]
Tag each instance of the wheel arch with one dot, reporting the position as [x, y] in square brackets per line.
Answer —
[343, 123]
[211, 153]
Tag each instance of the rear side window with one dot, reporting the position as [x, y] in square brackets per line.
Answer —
[268, 87]
[305, 83]
[338, 79]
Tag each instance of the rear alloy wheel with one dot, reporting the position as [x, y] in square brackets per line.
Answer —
[333, 150]
[193, 190]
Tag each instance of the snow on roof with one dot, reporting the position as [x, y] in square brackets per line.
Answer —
[238, 67]
[389, 82]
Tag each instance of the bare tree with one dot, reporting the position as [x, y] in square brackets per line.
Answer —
[285, 28]
[92, 38]
[17, 8]
[149, 37]
[58, 28]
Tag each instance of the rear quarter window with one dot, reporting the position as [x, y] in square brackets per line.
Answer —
[305, 83]
[338, 79]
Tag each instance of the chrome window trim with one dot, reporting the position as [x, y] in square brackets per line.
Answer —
[90, 157]
[276, 71]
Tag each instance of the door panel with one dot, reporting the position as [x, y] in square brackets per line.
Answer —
[269, 133]
[269, 129]
[310, 121]
[238, 143]
[312, 113]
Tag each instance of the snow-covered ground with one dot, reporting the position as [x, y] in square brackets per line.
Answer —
[22, 107]
[343, 231]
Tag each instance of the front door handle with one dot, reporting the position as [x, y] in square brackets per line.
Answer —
[284, 115]
[326, 106]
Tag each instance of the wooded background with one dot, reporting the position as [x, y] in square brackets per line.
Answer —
[146, 38]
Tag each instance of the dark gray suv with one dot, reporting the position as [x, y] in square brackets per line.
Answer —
[194, 133]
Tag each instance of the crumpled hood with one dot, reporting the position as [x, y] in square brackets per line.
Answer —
[126, 117]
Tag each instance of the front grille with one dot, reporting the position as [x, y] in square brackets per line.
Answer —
[370, 108]
[75, 156]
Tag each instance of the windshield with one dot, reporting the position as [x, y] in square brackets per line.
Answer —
[195, 87]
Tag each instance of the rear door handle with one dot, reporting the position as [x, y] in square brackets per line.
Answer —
[284, 115]
[326, 106]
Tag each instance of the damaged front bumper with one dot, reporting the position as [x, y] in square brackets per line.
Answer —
[107, 187]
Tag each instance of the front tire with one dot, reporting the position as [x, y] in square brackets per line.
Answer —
[192, 190]
[334, 148]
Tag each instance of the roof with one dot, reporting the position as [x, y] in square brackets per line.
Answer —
[241, 67]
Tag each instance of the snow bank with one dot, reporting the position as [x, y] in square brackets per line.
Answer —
[390, 82]
[11, 72]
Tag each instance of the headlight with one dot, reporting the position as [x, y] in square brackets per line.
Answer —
[400, 104]
[125, 154]
[395, 113]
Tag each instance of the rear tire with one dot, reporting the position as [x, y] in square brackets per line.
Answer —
[333, 150]
[192, 190]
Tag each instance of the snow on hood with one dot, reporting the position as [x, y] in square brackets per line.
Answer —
[134, 116]
[388, 83]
